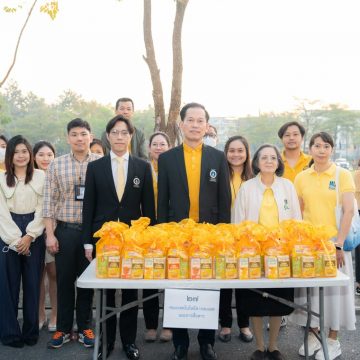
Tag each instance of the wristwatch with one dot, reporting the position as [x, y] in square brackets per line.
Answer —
[337, 247]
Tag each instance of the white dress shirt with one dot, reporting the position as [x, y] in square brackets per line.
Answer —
[115, 164]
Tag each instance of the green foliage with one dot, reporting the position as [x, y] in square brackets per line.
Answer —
[31, 116]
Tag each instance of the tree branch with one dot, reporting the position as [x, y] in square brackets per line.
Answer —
[150, 60]
[18, 43]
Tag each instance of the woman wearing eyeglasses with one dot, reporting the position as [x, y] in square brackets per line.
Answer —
[266, 199]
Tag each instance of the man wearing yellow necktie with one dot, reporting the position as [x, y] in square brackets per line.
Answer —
[118, 188]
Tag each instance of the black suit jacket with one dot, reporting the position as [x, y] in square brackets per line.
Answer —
[101, 202]
[173, 191]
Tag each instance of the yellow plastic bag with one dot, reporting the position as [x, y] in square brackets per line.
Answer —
[108, 249]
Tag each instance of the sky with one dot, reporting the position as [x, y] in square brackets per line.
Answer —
[240, 57]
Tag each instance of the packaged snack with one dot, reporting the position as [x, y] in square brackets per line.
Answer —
[230, 267]
[248, 251]
[159, 268]
[132, 262]
[284, 266]
[224, 250]
[254, 267]
[201, 253]
[154, 244]
[113, 266]
[243, 265]
[329, 257]
[137, 268]
[132, 265]
[101, 260]
[330, 265]
[271, 266]
[195, 266]
[177, 255]
[108, 249]
[206, 268]
[308, 266]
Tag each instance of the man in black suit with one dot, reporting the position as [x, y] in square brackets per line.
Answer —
[118, 187]
[193, 182]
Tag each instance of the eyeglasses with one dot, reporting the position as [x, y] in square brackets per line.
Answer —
[268, 158]
[115, 132]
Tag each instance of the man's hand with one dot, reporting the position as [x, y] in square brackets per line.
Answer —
[88, 254]
[52, 244]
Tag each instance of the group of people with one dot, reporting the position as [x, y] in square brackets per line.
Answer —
[58, 203]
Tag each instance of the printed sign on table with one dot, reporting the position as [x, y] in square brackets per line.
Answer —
[191, 308]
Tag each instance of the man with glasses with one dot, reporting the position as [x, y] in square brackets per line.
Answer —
[118, 188]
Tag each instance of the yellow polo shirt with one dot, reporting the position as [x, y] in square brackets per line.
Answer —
[318, 192]
[235, 184]
[269, 213]
[302, 164]
[357, 186]
[193, 172]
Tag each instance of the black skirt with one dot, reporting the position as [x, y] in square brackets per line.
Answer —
[254, 304]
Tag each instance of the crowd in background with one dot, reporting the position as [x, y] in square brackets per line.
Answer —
[51, 206]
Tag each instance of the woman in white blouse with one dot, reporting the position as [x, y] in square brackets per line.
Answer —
[266, 199]
[22, 247]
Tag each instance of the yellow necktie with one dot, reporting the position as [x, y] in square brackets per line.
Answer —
[120, 178]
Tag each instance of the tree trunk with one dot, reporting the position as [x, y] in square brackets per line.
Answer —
[2, 82]
[153, 68]
[176, 86]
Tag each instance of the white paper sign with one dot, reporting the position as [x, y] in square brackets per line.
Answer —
[191, 308]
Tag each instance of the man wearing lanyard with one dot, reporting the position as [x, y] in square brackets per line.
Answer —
[193, 183]
[62, 212]
[118, 188]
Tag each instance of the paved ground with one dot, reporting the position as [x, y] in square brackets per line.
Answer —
[289, 342]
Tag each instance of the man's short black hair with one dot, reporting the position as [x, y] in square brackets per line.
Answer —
[255, 161]
[193, 105]
[78, 123]
[123, 99]
[116, 119]
[283, 128]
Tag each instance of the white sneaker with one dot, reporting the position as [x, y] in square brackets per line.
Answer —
[334, 350]
[313, 345]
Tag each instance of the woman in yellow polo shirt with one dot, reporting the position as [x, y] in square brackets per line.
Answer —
[316, 188]
[266, 199]
[159, 142]
[237, 153]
